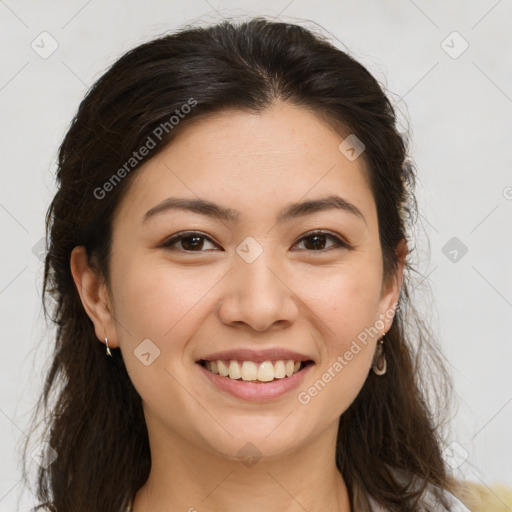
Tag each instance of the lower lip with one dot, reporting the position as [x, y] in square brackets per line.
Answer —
[257, 392]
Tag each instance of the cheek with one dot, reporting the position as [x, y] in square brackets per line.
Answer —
[346, 307]
[159, 303]
[155, 299]
[346, 300]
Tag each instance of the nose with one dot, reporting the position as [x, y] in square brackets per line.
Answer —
[258, 295]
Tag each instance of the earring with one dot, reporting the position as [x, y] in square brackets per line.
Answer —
[108, 349]
[379, 365]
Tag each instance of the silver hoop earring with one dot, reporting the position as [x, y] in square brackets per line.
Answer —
[107, 349]
[379, 365]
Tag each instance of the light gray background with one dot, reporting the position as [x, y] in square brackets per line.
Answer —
[459, 111]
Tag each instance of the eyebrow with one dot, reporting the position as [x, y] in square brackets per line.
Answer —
[292, 211]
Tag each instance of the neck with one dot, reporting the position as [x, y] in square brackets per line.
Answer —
[185, 477]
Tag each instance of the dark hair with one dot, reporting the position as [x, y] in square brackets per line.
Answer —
[388, 445]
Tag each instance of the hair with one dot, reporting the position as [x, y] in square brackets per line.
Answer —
[389, 446]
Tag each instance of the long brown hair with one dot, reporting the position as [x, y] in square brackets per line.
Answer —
[388, 445]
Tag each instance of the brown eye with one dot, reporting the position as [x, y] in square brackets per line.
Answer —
[195, 242]
[317, 241]
[190, 242]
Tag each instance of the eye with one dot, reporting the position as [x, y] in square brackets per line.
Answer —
[190, 241]
[317, 241]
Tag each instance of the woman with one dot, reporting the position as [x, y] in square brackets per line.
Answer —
[231, 222]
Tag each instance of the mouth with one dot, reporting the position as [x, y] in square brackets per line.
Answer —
[258, 372]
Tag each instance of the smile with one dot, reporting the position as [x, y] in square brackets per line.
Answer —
[250, 371]
[273, 387]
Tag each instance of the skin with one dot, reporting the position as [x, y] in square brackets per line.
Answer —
[314, 301]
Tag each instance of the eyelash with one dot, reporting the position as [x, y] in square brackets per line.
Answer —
[339, 244]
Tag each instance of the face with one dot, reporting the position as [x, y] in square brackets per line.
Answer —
[253, 280]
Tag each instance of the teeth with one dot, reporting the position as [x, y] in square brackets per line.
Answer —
[266, 372]
[279, 370]
[223, 369]
[235, 372]
[289, 366]
[251, 371]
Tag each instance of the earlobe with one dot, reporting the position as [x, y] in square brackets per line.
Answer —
[94, 295]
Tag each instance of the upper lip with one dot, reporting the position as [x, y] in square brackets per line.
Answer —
[258, 356]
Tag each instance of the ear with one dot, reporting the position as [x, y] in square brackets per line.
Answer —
[94, 296]
[391, 287]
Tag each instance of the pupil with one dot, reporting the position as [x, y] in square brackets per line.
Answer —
[316, 237]
[186, 245]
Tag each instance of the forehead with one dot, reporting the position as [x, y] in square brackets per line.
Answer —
[253, 161]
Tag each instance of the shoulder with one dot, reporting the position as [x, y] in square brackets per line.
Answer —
[434, 497]
[431, 502]
[455, 504]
